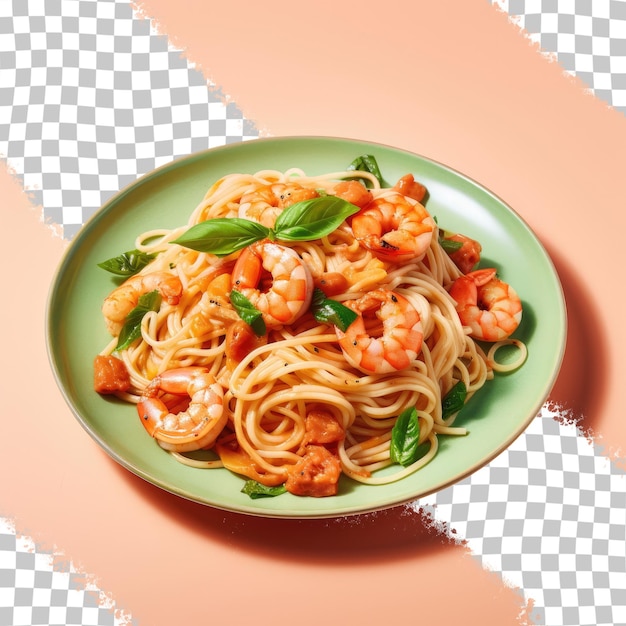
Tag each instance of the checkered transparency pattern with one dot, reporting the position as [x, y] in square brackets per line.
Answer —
[586, 37]
[91, 97]
[548, 514]
[35, 591]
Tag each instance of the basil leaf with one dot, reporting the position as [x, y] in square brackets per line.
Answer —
[256, 490]
[318, 298]
[222, 236]
[405, 436]
[131, 330]
[128, 263]
[326, 310]
[367, 163]
[450, 246]
[302, 221]
[312, 219]
[454, 400]
[248, 312]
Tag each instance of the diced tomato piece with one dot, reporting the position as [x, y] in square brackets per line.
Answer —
[110, 375]
[316, 474]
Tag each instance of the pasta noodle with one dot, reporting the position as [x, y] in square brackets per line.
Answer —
[300, 404]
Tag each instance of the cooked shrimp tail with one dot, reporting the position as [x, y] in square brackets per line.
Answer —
[488, 306]
[401, 338]
[122, 300]
[195, 428]
[394, 228]
[267, 201]
[288, 296]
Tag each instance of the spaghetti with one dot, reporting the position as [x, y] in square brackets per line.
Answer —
[298, 356]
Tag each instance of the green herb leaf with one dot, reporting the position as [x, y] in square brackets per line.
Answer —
[256, 490]
[312, 219]
[127, 263]
[330, 311]
[248, 312]
[454, 400]
[405, 436]
[450, 246]
[367, 163]
[302, 221]
[223, 235]
[131, 330]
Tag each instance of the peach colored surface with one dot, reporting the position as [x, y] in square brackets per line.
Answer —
[452, 80]
[457, 82]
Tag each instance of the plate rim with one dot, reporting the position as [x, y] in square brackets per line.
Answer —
[339, 511]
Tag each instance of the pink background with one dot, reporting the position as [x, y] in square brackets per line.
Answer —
[452, 80]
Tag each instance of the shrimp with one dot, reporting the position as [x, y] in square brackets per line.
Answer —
[293, 192]
[195, 428]
[265, 203]
[488, 306]
[122, 300]
[394, 228]
[401, 338]
[291, 290]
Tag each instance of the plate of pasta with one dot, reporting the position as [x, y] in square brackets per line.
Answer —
[305, 327]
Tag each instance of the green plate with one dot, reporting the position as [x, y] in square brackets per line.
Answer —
[498, 414]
